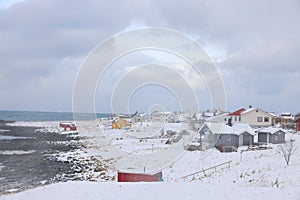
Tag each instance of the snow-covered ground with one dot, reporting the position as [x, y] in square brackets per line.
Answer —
[259, 174]
[111, 190]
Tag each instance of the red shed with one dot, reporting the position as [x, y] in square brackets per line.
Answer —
[139, 177]
[68, 126]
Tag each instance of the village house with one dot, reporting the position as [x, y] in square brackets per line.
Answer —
[120, 123]
[285, 120]
[139, 117]
[68, 126]
[297, 121]
[271, 135]
[227, 138]
[220, 118]
[255, 117]
[163, 116]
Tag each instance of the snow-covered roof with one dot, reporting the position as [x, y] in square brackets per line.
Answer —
[217, 116]
[162, 112]
[197, 115]
[248, 110]
[236, 128]
[270, 130]
[143, 114]
[273, 114]
[287, 114]
[208, 114]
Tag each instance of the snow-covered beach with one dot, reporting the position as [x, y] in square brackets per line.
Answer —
[249, 175]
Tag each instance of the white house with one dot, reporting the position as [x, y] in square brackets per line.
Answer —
[139, 117]
[255, 117]
[163, 116]
[220, 118]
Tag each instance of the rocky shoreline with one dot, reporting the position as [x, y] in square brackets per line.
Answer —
[35, 158]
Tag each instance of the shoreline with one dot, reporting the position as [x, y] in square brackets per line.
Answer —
[32, 156]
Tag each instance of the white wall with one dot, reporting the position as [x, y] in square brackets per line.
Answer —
[251, 118]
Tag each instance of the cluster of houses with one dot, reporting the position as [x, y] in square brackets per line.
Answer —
[228, 131]
[225, 130]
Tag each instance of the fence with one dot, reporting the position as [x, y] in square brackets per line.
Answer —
[210, 168]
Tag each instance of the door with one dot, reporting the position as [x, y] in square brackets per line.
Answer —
[262, 137]
[241, 138]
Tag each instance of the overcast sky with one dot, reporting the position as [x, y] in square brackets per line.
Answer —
[254, 44]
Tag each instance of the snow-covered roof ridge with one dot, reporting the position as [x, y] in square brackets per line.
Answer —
[236, 128]
[217, 116]
[243, 127]
[269, 129]
[249, 110]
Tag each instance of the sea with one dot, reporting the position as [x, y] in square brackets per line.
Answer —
[26, 116]
[28, 157]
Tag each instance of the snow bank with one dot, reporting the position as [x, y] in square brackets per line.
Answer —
[88, 190]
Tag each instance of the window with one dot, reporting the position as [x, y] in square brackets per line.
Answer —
[266, 119]
[228, 137]
[225, 119]
[259, 119]
[235, 118]
[276, 137]
[240, 118]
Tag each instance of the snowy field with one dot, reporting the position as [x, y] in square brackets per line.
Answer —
[259, 174]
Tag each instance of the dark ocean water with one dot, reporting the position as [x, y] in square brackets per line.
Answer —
[37, 164]
[40, 116]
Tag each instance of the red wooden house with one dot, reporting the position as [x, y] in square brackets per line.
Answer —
[139, 177]
[68, 126]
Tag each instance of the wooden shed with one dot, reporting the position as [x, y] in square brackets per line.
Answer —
[68, 126]
[271, 135]
[119, 123]
[139, 177]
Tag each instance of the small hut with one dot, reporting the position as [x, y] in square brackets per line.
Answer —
[119, 123]
[68, 126]
[139, 177]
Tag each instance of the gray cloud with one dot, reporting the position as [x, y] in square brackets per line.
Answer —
[40, 41]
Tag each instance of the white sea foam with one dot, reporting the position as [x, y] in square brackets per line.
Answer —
[8, 137]
[15, 153]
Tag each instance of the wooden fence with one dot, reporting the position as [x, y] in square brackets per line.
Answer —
[210, 168]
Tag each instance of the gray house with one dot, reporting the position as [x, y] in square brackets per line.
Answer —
[271, 135]
[227, 138]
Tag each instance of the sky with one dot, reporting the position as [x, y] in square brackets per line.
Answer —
[255, 46]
